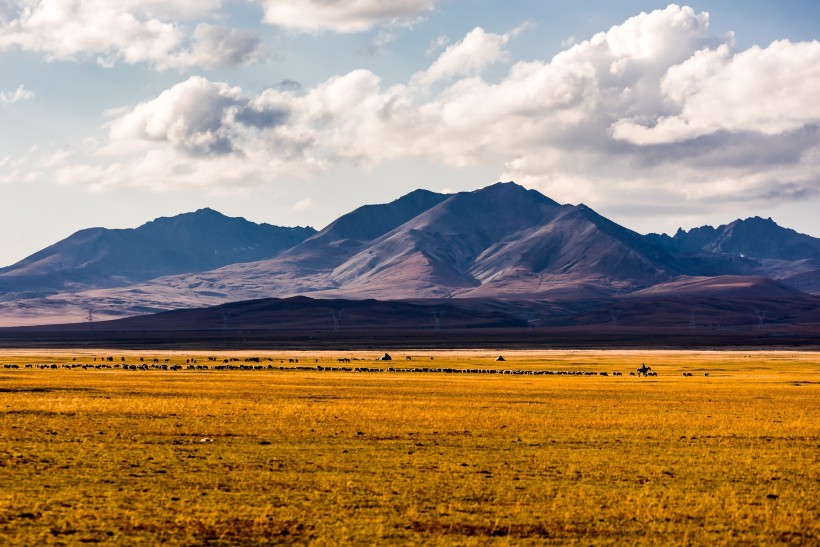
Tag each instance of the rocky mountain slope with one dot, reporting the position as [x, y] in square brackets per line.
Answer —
[753, 237]
[754, 246]
[499, 242]
[99, 257]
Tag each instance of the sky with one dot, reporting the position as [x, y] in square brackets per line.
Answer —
[294, 112]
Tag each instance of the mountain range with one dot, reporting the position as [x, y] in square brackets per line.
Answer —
[502, 242]
[100, 258]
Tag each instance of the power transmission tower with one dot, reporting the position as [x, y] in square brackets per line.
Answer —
[437, 317]
[692, 320]
[90, 320]
[337, 317]
[761, 317]
[530, 320]
[226, 320]
[614, 314]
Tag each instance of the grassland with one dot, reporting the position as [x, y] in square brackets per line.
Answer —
[284, 456]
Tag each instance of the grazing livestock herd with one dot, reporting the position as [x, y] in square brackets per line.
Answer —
[256, 364]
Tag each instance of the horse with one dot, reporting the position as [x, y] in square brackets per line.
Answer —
[643, 370]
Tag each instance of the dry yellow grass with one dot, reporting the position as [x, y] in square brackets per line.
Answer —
[245, 457]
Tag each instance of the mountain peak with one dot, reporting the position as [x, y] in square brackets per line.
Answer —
[512, 190]
[191, 242]
[753, 237]
[205, 213]
[371, 221]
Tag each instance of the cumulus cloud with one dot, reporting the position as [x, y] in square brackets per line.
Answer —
[469, 56]
[655, 110]
[190, 116]
[341, 15]
[199, 133]
[114, 31]
[203, 118]
[216, 46]
[19, 94]
[769, 91]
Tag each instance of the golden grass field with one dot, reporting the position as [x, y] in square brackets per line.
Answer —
[197, 457]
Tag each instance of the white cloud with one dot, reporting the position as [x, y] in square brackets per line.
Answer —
[127, 31]
[383, 38]
[201, 134]
[341, 15]
[191, 116]
[19, 94]
[163, 168]
[769, 91]
[177, 10]
[57, 158]
[654, 111]
[20, 168]
[467, 57]
[306, 204]
[436, 45]
[216, 46]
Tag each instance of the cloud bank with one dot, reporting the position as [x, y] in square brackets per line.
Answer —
[177, 35]
[657, 106]
[125, 31]
[341, 15]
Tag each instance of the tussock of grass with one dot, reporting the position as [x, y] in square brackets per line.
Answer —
[237, 457]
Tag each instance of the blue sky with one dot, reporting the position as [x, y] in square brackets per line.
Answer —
[115, 112]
